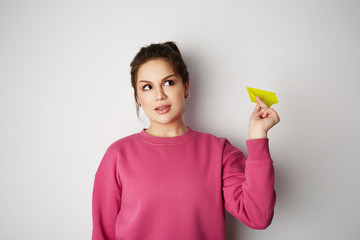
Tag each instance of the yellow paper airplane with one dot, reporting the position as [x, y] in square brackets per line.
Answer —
[267, 97]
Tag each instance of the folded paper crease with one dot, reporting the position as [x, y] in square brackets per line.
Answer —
[267, 97]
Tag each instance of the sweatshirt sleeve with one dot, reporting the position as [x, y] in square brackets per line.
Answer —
[106, 200]
[248, 184]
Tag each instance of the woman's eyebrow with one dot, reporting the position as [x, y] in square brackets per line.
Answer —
[172, 75]
[146, 81]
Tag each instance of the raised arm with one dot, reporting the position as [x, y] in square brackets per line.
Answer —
[248, 184]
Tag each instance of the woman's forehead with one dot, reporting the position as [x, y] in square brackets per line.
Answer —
[155, 70]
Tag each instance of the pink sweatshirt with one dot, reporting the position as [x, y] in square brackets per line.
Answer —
[155, 188]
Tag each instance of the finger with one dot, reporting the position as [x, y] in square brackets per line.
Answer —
[271, 112]
[276, 115]
[260, 113]
[268, 112]
[257, 108]
[261, 103]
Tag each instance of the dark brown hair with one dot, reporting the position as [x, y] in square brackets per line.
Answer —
[167, 51]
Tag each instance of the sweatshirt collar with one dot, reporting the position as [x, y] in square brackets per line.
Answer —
[166, 140]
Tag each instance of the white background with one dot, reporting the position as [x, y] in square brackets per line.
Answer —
[65, 96]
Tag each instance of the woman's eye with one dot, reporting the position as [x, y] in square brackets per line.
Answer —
[169, 83]
[146, 87]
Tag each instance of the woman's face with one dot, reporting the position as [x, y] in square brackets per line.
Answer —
[161, 92]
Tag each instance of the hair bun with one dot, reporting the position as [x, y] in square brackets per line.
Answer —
[173, 46]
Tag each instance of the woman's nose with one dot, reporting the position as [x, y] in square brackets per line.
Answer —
[160, 94]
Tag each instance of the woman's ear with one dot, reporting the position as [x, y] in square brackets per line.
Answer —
[138, 102]
[187, 89]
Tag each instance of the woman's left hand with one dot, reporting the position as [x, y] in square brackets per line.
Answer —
[262, 119]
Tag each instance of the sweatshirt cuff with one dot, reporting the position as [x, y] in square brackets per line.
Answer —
[258, 149]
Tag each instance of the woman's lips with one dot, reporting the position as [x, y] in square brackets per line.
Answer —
[163, 109]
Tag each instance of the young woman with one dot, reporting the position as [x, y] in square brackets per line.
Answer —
[171, 182]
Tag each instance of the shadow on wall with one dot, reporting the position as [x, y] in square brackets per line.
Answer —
[232, 226]
[190, 113]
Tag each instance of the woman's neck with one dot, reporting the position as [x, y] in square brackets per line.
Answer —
[162, 130]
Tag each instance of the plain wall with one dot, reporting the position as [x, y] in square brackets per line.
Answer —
[65, 96]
